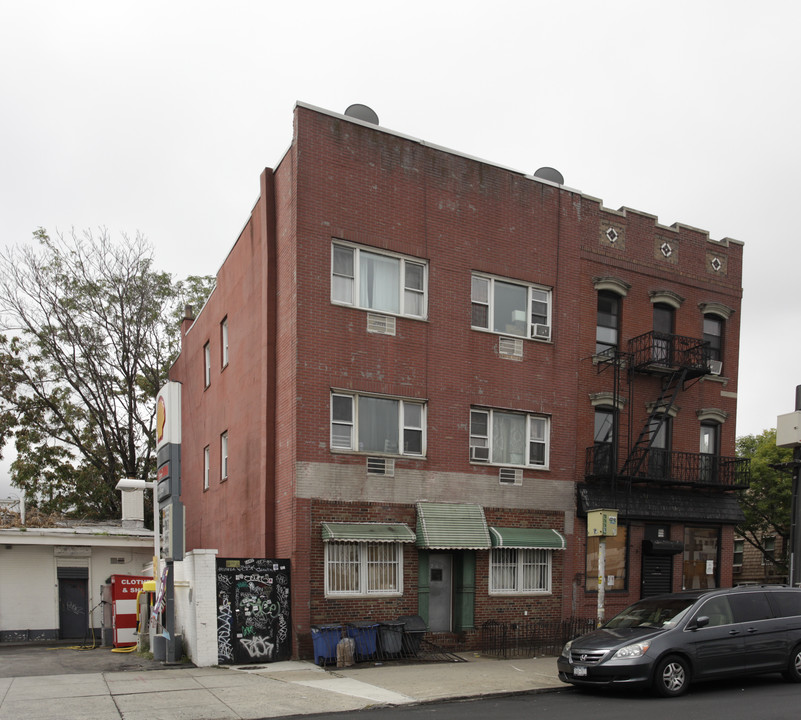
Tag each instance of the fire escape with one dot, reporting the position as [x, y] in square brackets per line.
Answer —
[678, 362]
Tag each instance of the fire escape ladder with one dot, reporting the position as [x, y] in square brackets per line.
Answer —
[671, 388]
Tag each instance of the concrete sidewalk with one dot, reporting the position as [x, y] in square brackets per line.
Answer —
[264, 691]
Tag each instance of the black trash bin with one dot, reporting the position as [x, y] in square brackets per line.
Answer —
[390, 637]
[414, 627]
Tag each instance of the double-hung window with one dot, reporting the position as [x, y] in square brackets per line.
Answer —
[224, 456]
[608, 321]
[361, 568]
[509, 438]
[520, 570]
[713, 334]
[206, 466]
[378, 281]
[510, 308]
[206, 365]
[224, 341]
[375, 424]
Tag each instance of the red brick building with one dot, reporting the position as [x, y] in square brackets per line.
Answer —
[419, 370]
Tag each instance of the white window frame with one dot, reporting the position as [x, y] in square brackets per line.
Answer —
[516, 560]
[224, 341]
[350, 425]
[536, 296]
[350, 285]
[362, 565]
[206, 466]
[535, 424]
[207, 364]
[224, 456]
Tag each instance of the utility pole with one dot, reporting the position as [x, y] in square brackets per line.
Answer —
[788, 434]
[795, 519]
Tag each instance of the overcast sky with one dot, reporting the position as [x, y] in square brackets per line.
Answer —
[159, 117]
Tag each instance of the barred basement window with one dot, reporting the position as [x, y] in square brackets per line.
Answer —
[520, 570]
[363, 568]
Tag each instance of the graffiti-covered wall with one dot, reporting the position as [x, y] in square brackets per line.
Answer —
[253, 611]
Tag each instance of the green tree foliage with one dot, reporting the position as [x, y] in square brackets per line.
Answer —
[767, 503]
[90, 332]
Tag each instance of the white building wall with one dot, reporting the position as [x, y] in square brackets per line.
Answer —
[28, 589]
[196, 605]
[29, 584]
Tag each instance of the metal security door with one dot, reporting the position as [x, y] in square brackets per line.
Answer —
[440, 598]
[657, 569]
[73, 608]
[253, 616]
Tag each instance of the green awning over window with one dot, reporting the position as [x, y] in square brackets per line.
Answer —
[452, 526]
[527, 538]
[367, 532]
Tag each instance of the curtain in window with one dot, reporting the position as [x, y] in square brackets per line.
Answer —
[508, 439]
[379, 282]
[378, 425]
[504, 570]
[382, 568]
[343, 567]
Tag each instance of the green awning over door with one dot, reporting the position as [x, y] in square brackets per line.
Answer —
[452, 526]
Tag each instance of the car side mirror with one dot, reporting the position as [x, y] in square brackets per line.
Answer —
[701, 621]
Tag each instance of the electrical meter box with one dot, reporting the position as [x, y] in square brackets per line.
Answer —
[788, 429]
[601, 523]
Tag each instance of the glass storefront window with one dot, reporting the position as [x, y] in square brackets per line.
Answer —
[700, 558]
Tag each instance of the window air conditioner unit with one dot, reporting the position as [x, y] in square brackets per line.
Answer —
[510, 476]
[543, 332]
[381, 466]
[479, 454]
[715, 367]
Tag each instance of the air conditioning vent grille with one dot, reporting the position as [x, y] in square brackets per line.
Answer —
[510, 476]
[380, 324]
[510, 348]
[381, 466]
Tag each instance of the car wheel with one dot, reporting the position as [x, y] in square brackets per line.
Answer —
[793, 671]
[672, 677]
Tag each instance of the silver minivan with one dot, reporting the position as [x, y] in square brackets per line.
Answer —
[668, 641]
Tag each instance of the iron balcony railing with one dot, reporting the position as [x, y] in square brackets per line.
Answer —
[655, 350]
[673, 468]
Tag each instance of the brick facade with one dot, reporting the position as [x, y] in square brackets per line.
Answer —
[291, 347]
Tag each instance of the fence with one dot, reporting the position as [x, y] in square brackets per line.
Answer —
[529, 637]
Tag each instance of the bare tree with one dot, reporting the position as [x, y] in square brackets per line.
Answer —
[89, 337]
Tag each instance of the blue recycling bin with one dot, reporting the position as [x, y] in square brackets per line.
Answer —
[365, 635]
[325, 639]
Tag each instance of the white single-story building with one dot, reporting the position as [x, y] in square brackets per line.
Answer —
[52, 576]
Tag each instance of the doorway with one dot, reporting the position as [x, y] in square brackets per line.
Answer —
[657, 567]
[440, 603]
[73, 604]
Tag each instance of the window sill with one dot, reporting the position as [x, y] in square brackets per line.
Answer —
[520, 593]
[365, 453]
[362, 596]
[531, 468]
[379, 312]
[543, 341]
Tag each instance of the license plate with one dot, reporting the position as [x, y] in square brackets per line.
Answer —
[579, 671]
